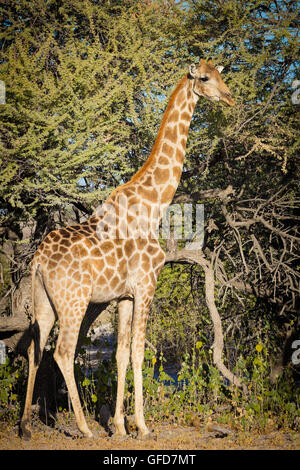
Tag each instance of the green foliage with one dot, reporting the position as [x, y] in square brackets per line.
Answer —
[86, 86]
[195, 391]
[83, 98]
[266, 405]
[178, 313]
[199, 392]
[97, 387]
[12, 386]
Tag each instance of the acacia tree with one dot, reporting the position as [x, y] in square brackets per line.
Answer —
[86, 85]
[85, 89]
[247, 158]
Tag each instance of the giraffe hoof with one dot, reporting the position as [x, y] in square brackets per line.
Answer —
[120, 435]
[151, 435]
[119, 438]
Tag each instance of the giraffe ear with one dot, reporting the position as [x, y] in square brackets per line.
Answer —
[192, 70]
[219, 68]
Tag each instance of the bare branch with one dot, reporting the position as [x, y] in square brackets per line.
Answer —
[260, 251]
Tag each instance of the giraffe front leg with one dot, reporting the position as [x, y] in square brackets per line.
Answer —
[64, 356]
[137, 356]
[122, 357]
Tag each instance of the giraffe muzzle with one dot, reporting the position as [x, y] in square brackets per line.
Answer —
[228, 99]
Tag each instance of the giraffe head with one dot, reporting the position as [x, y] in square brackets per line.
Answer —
[208, 82]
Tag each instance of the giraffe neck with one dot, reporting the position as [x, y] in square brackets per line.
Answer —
[159, 177]
[152, 188]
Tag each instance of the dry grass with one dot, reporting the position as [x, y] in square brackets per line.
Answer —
[166, 437]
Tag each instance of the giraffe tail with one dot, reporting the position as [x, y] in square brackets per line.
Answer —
[34, 328]
[34, 331]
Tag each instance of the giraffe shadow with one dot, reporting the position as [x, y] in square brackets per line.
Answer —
[49, 381]
[49, 393]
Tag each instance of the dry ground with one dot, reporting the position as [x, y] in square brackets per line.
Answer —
[166, 437]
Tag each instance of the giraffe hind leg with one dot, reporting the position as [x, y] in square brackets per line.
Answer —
[64, 355]
[40, 331]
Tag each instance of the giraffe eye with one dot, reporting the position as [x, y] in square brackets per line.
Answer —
[204, 79]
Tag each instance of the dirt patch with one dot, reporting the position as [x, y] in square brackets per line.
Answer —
[164, 437]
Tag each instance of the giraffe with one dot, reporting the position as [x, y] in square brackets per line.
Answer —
[85, 263]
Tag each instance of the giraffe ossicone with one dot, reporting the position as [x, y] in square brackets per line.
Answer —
[102, 259]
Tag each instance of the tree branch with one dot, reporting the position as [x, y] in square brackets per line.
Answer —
[197, 256]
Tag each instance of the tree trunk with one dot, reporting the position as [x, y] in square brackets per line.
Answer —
[12, 327]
